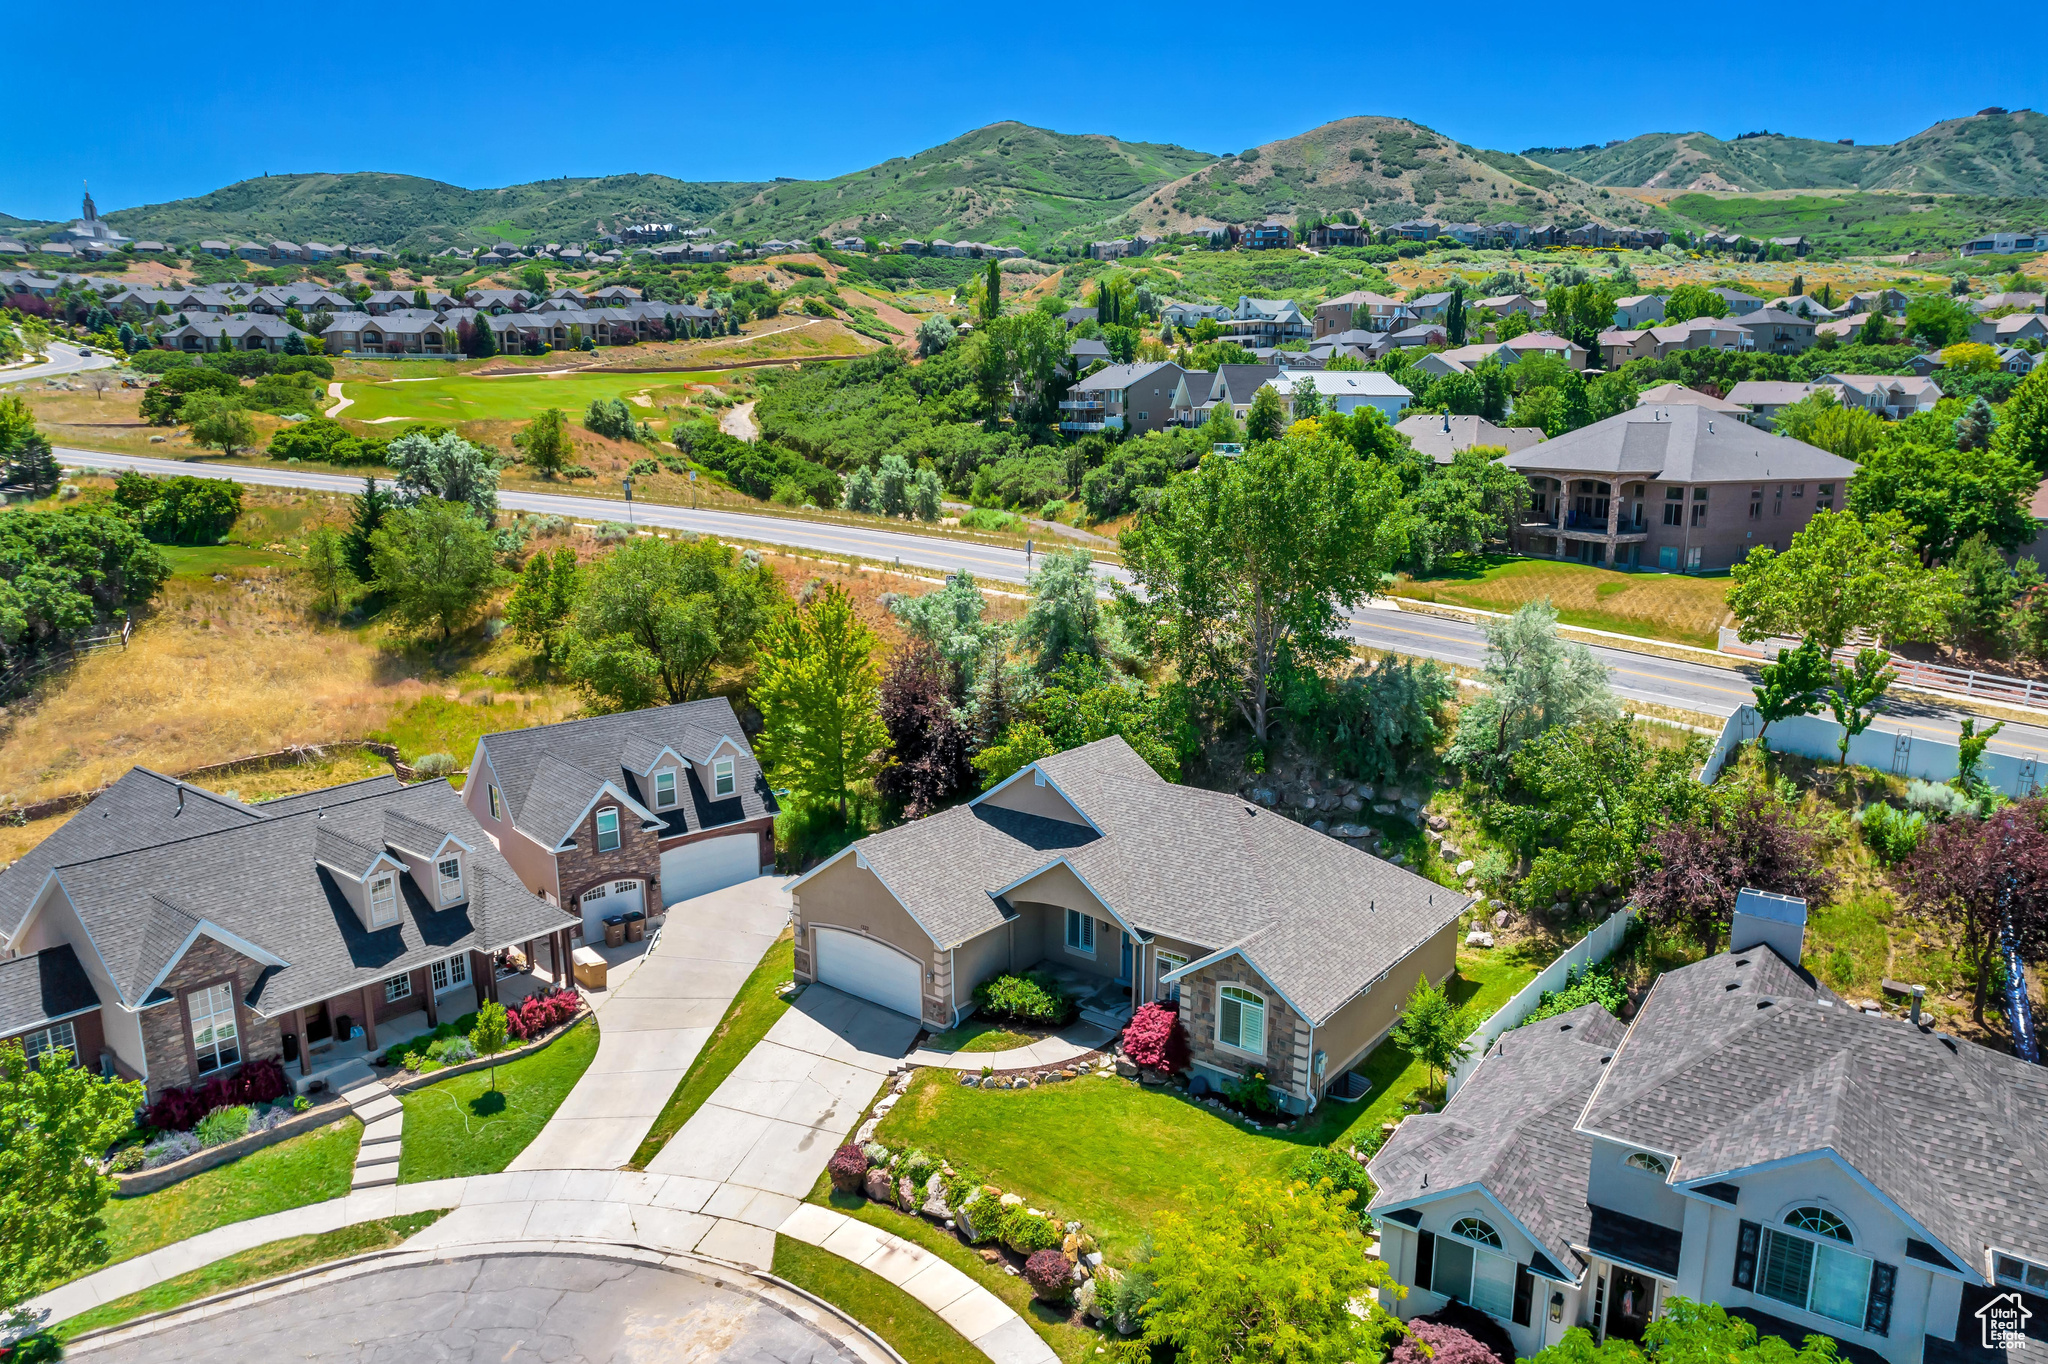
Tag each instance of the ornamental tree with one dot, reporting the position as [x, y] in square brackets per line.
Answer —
[1973, 875]
[1156, 1040]
[929, 759]
[820, 697]
[1690, 869]
[657, 618]
[1433, 1030]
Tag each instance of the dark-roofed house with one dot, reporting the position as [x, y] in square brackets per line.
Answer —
[1290, 952]
[1677, 486]
[167, 934]
[633, 811]
[1777, 332]
[1135, 398]
[1751, 1140]
[1200, 391]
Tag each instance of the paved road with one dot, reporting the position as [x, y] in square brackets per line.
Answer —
[64, 359]
[557, 1308]
[1635, 676]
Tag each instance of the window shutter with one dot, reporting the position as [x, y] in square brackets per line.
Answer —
[1425, 1257]
[1745, 1255]
[1525, 1294]
[1877, 1315]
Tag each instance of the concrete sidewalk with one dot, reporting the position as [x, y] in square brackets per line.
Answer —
[653, 1022]
[776, 1120]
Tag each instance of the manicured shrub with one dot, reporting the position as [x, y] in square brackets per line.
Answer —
[1251, 1092]
[847, 1168]
[540, 1011]
[1050, 1276]
[1026, 1232]
[1034, 998]
[1155, 1039]
[1318, 1163]
[178, 1110]
[917, 1167]
[223, 1125]
[1455, 1334]
[434, 764]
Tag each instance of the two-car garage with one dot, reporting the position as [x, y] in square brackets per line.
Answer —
[869, 970]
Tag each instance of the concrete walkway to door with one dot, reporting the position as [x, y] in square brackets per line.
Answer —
[653, 1023]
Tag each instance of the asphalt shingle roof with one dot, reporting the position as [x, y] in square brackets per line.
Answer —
[35, 989]
[1682, 443]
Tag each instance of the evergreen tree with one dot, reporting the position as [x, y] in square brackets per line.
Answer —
[127, 337]
[35, 464]
[1974, 427]
[372, 505]
[991, 291]
[485, 341]
[1454, 314]
[539, 607]
[1267, 418]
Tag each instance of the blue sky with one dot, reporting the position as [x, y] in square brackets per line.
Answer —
[163, 108]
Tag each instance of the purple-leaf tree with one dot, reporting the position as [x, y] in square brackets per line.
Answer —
[1971, 875]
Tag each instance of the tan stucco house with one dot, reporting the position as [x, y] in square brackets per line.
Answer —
[1288, 951]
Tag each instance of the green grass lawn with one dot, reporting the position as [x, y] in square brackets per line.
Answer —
[748, 1018]
[1671, 606]
[912, 1329]
[1074, 1344]
[462, 398]
[465, 1127]
[979, 1035]
[291, 1174]
[266, 1261]
[206, 560]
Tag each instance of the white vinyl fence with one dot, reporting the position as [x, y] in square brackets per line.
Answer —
[1595, 946]
[1898, 752]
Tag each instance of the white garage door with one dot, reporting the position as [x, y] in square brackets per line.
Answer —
[613, 897]
[863, 967]
[713, 864]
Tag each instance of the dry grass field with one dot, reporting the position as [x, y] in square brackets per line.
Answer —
[1652, 605]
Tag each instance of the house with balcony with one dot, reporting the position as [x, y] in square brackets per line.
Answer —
[236, 331]
[1777, 332]
[2005, 243]
[1137, 398]
[1677, 487]
[1270, 235]
[167, 934]
[1287, 952]
[1361, 310]
[1751, 1140]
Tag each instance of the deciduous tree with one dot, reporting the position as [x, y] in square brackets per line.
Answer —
[1688, 301]
[657, 618]
[1534, 679]
[1432, 1029]
[2023, 433]
[547, 443]
[1266, 417]
[1973, 876]
[930, 759]
[1857, 692]
[327, 568]
[1796, 684]
[538, 610]
[1842, 572]
[434, 564]
[819, 698]
[1947, 496]
[445, 466]
[1065, 616]
[1691, 868]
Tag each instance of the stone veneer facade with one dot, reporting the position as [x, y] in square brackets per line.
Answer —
[638, 857]
[167, 1028]
[1287, 1033]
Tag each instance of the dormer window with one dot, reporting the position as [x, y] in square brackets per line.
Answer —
[608, 830]
[383, 899]
[664, 788]
[449, 870]
[723, 782]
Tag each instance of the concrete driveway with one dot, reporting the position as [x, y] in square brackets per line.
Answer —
[653, 1022]
[776, 1120]
[559, 1307]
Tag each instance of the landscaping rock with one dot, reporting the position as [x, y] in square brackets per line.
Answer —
[1501, 918]
[1068, 1073]
[1383, 809]
[1320, 826]
[1479, 937]
[866, 1133]
[1352, 804]
[970, 1078]
[964, 1215]
[991, 1082]
[888, 1101]
[906, 1194]
[1365, 793]
[1399, 859]
[990, 1255]
[1084, 1299]
[1465, 868]
[934, 1207]
[1448, 851]
[1263, 795]
[1151, 1077]
[1410, 802]
[877, 1186]
[1351, 831]
[1308, 802]
[1439, 822]
[1390, 793]
[1125, 1068]
[903, 1081]
[1021, 1082]
[1432, 837]
[1010, 1200]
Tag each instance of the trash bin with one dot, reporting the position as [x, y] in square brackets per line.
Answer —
[615, 931]
[636, 925]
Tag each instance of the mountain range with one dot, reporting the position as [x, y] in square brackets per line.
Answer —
[1025, 186]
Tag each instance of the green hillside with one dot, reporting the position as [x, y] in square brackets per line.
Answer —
[1007, 183]
[1860, 224]
[1992, 153]
[407, 211]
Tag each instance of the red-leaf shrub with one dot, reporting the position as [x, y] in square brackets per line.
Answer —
[540, 1011]
[1456, 1334]
[1155, 1039]
[1050, 1276]
[848, 1167]
[179, 1110]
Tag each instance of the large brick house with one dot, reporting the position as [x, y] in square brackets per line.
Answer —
[168, 934]
[1290, 952]
[633, 811]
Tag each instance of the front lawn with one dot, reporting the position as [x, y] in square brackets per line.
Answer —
[266, 1261]
[308, 1169]
[1672, 606]
[978, 1035]
[748, 1018]
[465, 1127]
[913, 1330]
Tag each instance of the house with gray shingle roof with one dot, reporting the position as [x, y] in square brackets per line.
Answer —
[1290, 952]
[633, 811]
[209, 933]
[1750, 1140]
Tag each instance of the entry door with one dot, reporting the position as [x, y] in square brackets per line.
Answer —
[1123, 974]
[1630, 1300]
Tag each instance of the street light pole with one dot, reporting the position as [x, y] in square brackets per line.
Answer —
[629, 499]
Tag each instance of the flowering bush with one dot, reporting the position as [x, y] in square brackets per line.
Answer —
[1050, 1276]
[1155, 1039]
[540, 1011]
[257, 1082]
[847, 1167]
[1455, 1334]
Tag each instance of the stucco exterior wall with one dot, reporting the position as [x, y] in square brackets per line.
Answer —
[1354, 1028]
[1032, 796]
[975, 961]
[848, 896]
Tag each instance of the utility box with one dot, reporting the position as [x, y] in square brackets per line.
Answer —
[1765, 919]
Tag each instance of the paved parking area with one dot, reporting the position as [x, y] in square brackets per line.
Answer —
[564, 1309]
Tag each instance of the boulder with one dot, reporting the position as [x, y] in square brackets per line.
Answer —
[1308, 802]
[906, 1194]
[1084, 1299]
[1264, 795]
[1432, 837]
[1320, 826]
[1464, 868]
[1410, 802]
[1390, 793]
[1399, 859]
[1501, 918]
[1021, 1082]
[1125, 1068]
[934, 1207]
[1448, 851]
[1479, 937]
[866, 1133]
[964, 1215]
[1151, 1077]
[991, 1082]
[878, 1187]
[969, 1078]
[1352, 804]
[903, 1081]
[1365, 793]
[1439, 822]
[1383, 809]
[887, 1102]
[1069, 1073]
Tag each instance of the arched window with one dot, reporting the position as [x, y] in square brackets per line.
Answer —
[1643, 1160]
[1820, 1222]
[1472, 1229]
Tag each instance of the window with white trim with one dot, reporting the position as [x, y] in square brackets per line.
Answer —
[608, 830]
[216, 1040]
[1080, 932]
[449, 870]
[1469, 1267]
[450, 972]
[664, 788]
[397, 988]
[56, 1037]
[624, 887]
[2018, 1273]
[1643, 1160]
[1241, 1019]
[723, 782]
[383, 899]
[1815, 1270]
[1169, 961]
[497, 811]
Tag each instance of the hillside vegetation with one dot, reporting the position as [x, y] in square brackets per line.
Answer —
[1859, 224]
